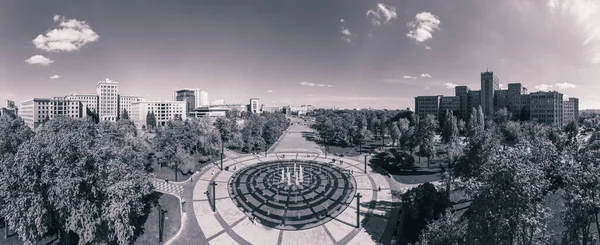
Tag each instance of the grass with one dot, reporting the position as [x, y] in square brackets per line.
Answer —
[417, 179]
[352, 151]
[171, 224]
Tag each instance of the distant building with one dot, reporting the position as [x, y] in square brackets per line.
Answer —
[9, 104]
[203, 98]
[217, 102]
[473, 101]
[463, 93]
[163, 111]
[489, 84]
[570, 110]
[547, 107]
[267, 108]
[425, 105]
[190, 96]
[253, 107]
[213, 111]
[450, 103]
[501, 99]
[89, 100]
[9, 108]
[125, 102]
[108, 100]
[36, 111]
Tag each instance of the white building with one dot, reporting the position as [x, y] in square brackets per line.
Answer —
[89, 100]
[254, 105]
[125, 102]
[163, 111]
[35, 111]
[203, 98]
[217, 102]
[108, 100]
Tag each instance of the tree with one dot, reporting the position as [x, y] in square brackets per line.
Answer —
[421, 205]
[447, 230]
[91, 114]
[502, 116]
[403, 126]
[252, 133]
[77, 182]
[125, 115]
[394, 133]
[450, 128]
[150, 119]
[572, 129]
[475, 125]
[425, 136]
[524, 114]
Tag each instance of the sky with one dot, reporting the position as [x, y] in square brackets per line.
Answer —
[342, 53]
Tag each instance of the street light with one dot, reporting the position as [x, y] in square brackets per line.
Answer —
[365, 163]
[222, 149]
[161, 223]
[214, 203]
[358, 196]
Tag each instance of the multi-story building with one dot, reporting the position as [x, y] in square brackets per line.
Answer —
[463, 93]
[254, 107]
[163, 111]
[570, 110]
[36, 111]
[489, 84]
[125, 102]
[427, 105]
[473, 101]
[450, 103]
[267, 108]
[9, 108]
[501, 99]
[89, 100]
[108, 100]
[515, 92]
[217, 102]
[203, 98]
[190, 96]
[547, 107]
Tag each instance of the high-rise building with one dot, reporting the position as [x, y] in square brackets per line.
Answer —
[547, 107]
[203, 98]
[163, 111]
[108, 100]
[570, 110]
[254, 107]
[89, 100]
[125, 102]
[35, 111]
[449, 103]
[191, 97]
[489, 84]
[515, 90]
[463, 93]
[427, 105]
[473, 101]
[501, 99]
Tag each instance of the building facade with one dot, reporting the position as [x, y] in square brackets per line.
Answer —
[36, 111]
[489, 84]
[190, 96]
[163, 111]
[547, 107]
[570, 110]
[254, 106]
[450, 103]
[108, 100]
[89, 100]
[425, 105]
[125, 102]
[203, 98]
[463, 93]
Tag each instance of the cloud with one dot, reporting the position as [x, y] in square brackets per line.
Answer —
[425, 75]
[269, 91]
[502, 86]
[426, 88]
[427, 47]
[584, 16]
[450, 85]
[382, 14]
[565, 85]
[346, 33]
[409, 77]
[544, 87]
[311, 84]
[71, 35]
[55, 77]
[423, 26]
[39, 59]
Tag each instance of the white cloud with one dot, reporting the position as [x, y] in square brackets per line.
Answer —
[346, 33]
[502, 85]
[450, 85]
[409, 77]
[544, 87]
[71, 35]
[269, 91]
[425, 75]
[382, 14]
[311, 84]
[39, 59]
[342, 20]
[423, 26]
[565, 85]
[427, 47]
[55, 77]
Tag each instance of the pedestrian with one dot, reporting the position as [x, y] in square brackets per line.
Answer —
[212, 173]
[192, 179]
[379, 189]
[167, 180]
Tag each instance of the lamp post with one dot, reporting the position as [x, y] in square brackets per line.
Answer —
[161, 223]
[222, 149]
[365, 163]
[358, 196]
[214, 203]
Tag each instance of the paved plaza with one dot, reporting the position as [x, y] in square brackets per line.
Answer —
[271, 200]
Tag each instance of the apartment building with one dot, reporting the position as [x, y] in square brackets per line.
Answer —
[570, 110]
[108, 100]
[450, 103]
[191, 96]
[203, 96]
[89, 100]
[463, 93]
[254, 105]
[36, 111]
[547, 107]
[125, 102]
[163, 111]
[489, 84]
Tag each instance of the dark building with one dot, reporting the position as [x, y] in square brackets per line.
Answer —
[489, 84]
[190, 96]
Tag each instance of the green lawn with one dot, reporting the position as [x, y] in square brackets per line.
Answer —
[171, 225]
[417, 179]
